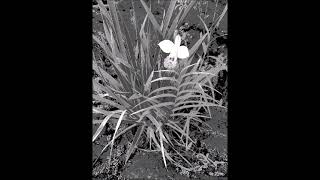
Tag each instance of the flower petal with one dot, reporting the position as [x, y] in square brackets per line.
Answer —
[166, 46]
[177, 40]
[183, 52]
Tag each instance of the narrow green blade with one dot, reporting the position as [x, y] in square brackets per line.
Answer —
[115, 132]
[151, 17]
[104, 122]
[168, 16]
[134, 142]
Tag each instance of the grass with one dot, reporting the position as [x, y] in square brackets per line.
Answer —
[161, 104]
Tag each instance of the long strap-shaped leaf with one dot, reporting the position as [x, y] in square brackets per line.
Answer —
[104, 11]
[135, 141]
[148, 83]
[186, 11]
[151, 17]
[184, 98]
[113, 118]
[104, 122]
[165, 78]
[168, 17]
[115, 132]
[200, 75]
[195, 47]
[154, 97]
[167, 70]
[163, 89]
[206, 27]
[186, 129]
[114, 83]
[198, 105]
[101, 111]
[188, 114]
[105, 48]
[186, 68]
[178, 129]
[117, 27]
[197, 101]
[189, 91]
[153, 107]
[98, 98]
[206, 99]
[173, 26]
[162, 138]
[119, 134]
[109, 90]
[222, 15]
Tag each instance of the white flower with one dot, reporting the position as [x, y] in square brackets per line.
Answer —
[175, 50]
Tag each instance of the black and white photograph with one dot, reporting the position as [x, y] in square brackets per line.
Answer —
[160, 89]
[144, 89]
